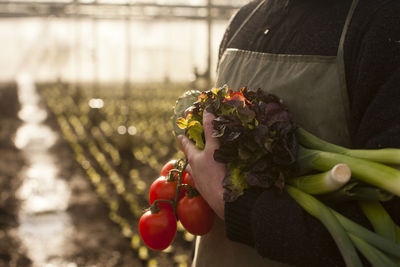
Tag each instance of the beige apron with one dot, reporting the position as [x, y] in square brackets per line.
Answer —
[314, 89]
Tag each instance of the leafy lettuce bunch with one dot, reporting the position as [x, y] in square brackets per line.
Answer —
[255, 131]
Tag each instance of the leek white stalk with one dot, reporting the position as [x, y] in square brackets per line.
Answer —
[370, 172]
[323, 213]
[322, 183]
[389, 156]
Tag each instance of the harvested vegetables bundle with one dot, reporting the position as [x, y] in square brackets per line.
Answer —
[261, 146]
[256, 134]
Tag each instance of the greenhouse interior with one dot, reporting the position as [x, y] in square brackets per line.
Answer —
[87, 89]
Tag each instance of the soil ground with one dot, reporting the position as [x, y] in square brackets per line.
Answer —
[95, 240]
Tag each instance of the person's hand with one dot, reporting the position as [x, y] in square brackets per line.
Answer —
[206, 172]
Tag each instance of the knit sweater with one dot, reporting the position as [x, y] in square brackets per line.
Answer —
[270, 220]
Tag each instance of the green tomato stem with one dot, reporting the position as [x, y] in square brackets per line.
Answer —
[178, 188]
[171, 175]
[155, 208]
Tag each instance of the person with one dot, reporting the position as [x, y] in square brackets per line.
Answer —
[336, 65]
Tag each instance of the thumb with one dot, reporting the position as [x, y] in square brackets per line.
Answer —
[211, 142]
[186, 146]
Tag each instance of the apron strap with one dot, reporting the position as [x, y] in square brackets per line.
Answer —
[341, 65]
[346, 27]
[245, 22]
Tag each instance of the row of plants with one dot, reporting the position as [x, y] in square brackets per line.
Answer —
[121, 144]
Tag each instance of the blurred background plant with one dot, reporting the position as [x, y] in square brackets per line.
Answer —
[87, 90]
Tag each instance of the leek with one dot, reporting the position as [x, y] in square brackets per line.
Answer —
[323, 213]
[389, 156]
[325, 182]
[370, 172]
[370, 237]
[379, 219]
[340, 227]
[357, 191]
[373, 255]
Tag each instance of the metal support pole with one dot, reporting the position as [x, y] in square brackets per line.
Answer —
[209, 43]
[95, 57]
[128, 59]
[77, 46]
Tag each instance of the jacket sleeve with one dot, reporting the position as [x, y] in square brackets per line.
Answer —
[279, 229]
[372, 61]
[374, 78]
[271, 221]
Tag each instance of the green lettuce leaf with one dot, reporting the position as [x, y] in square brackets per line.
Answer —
[195, 132]
[181, 105]
[234, 183]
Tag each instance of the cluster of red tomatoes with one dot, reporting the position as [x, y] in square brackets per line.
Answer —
[173, 197]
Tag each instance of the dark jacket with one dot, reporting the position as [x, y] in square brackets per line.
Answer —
[268, 220]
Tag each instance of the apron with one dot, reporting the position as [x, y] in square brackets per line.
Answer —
[313, 88]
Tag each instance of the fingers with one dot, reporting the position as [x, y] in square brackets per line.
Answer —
[178, 140]
[187, 146]
[211, 142]
[189, 169]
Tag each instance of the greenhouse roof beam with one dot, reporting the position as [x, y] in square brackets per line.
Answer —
[135, 10]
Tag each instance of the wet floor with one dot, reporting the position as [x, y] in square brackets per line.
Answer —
[44, 225]
[49, 214]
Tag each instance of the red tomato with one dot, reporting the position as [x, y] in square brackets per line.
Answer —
[172, 164]
[161, 188]
[188, 179]
[195, 215]
[158, 229]
[167, 167]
